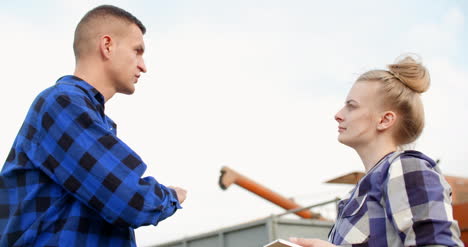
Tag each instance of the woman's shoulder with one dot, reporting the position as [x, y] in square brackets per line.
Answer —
[414, 154]
[411, 160]
[412, 166]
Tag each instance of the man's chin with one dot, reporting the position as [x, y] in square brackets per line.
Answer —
[127, 91]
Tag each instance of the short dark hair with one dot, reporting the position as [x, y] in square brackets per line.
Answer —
[102, 12]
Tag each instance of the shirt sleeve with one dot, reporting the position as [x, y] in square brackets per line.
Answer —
[418, 203]
[78, 150]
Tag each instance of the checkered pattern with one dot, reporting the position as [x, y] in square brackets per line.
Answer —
[69, 181]
[402, 201]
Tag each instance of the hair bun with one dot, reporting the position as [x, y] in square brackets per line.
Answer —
[409, 70]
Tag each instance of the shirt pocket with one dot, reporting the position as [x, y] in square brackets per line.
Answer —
[355, 219]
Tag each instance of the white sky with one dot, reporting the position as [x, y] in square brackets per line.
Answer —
[250, 84]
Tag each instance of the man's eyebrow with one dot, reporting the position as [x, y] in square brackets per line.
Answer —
[350, 101]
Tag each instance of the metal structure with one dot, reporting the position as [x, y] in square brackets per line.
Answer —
[460, 213]
[258, 233]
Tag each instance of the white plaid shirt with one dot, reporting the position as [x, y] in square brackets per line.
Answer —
[402, 201]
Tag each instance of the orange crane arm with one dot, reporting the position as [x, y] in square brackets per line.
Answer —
[229, 176]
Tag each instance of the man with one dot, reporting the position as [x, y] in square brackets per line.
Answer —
[68, 179]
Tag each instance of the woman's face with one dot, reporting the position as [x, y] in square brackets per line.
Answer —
[358, 119]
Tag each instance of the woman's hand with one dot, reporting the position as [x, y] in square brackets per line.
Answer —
[311, 242]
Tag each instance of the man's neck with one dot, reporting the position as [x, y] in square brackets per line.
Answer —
[95, 77]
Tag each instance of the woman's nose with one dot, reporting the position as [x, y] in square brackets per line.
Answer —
[338, 117]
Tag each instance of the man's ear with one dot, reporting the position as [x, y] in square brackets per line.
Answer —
[387, 120]
[106, 46]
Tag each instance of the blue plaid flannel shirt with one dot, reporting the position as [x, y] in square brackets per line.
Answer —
[402, 201]
[70, 181]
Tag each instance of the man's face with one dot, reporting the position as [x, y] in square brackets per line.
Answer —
[128, 60]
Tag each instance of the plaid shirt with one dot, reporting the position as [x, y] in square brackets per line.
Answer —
[69, 181]
[402, 201]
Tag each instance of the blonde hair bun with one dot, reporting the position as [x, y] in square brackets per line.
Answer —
[409, 70]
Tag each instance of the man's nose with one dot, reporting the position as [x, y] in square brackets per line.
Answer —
[142, 66]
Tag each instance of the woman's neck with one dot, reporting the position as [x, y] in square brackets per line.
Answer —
[374, 152]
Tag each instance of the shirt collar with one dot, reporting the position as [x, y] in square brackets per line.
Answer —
[85, 86]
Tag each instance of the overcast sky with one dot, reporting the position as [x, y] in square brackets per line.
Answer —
[249, 84]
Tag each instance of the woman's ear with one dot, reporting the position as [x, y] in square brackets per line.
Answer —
[387, 120]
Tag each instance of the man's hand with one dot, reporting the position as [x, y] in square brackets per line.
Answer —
[309, 242]
[181, 193]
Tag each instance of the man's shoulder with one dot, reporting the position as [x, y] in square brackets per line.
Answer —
[62, 94]
[62, 88]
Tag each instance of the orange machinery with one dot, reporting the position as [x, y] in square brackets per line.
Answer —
[229, 176]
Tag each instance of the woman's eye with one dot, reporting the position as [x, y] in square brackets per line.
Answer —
[350, 106]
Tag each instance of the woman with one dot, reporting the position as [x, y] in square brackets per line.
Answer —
[403, 200]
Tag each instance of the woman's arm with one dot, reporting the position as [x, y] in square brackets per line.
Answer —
[418, 203]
